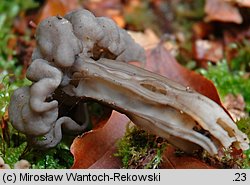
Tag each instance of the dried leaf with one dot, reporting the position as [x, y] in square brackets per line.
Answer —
[95, 148]
[235, 106]
[108, 160]
[173, 161]
[220, 10]
[5, 130]
[147, 40]
[160, 61]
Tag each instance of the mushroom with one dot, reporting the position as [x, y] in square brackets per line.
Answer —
[81, 58]
[22, 164]
[43, 129]
[3, 165]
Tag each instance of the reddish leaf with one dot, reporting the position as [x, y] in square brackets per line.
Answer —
[160, 61]
[24, 51]
[172, 161]
[5, 128]
[20, 25]
[223, 11]
[95, 148]
[108, 160]
[56, 7]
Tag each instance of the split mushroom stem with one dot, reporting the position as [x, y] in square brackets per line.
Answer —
[157, 104]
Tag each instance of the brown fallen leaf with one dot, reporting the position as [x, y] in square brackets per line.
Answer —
[147, 39]
[172, 161]
[108, 160]
[94, 149]
[24, 51]
[235, 106]
[56, 7]
[5, 129]
[223, 11]
[160, 61]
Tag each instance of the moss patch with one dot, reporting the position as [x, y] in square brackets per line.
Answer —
[228, 82]
[138, 149]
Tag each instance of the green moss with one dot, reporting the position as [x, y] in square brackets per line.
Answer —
[186, 13]
[9, 76]
[55, 158]
[142, 17]
[8, 84]
[138, 149]
[244, 125]
[9, 10]
[228, 158]
[13, 143]
[228, 82]
[242, 59]
[12, 154]
[16, 149]
[233, 81]
[246, 164]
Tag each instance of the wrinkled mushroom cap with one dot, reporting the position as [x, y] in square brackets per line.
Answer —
[56, 41]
